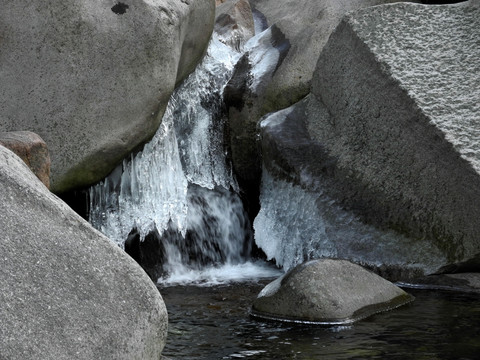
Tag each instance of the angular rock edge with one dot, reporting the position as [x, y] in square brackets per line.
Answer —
[389, 131]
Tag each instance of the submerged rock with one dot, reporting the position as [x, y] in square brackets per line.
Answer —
[327, 292]
[93, 78]
[32, 150]
[464, 282]
[66, 291]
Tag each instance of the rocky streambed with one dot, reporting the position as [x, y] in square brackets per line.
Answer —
[213, 322]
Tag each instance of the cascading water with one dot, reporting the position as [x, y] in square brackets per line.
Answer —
[180, 186]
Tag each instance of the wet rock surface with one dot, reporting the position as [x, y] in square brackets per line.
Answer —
[327, 292]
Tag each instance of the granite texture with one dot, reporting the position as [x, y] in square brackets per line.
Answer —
[395, 103]
[67, 292]
[93, 78]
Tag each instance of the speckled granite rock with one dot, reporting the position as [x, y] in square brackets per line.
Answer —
[327, 292]
[383, 155]
[396, 105]
[32, 150]
[92, 78]
[66, 291]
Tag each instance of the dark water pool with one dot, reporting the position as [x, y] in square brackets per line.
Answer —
[214, 323]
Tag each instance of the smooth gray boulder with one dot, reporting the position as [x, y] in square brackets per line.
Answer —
[93, 78]
[327, 292]
[66, 291]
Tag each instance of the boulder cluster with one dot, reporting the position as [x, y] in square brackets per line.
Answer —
[371, 103]
[89, 80]
[373, 106]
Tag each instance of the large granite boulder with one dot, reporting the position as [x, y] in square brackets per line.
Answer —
[388, 144]
[66, 291]
[92, 78]
[32, 150]
[305, 211]
[404, 120]
[327, 292]
[295, 38]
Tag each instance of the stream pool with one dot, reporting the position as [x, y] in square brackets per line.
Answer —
[213, 322]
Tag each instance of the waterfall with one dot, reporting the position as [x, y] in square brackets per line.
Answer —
[180, 188]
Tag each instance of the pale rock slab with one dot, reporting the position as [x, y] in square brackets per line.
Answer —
[68, 292]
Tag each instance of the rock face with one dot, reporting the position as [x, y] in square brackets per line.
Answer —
[327, 292]
[386, 140]
[298, 35]
[307, 28]
[32, 150]
[305, 211]
[67, 292]
[93, 78]
[404, 119]
[234, 23]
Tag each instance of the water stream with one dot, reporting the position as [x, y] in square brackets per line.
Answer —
[213, 323]
[180, 186]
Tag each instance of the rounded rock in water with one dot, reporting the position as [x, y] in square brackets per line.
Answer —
[327, 292]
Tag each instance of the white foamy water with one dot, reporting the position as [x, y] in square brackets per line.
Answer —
[225, 274]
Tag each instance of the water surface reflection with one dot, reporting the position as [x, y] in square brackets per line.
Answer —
[213, 323]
